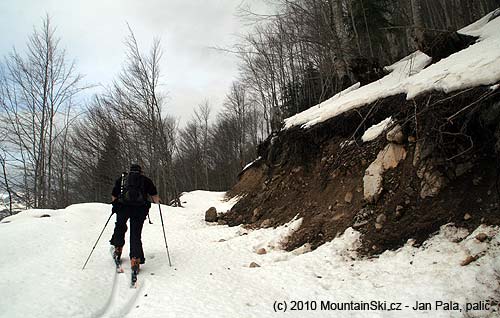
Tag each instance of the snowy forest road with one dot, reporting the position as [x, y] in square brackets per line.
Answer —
[211, 274]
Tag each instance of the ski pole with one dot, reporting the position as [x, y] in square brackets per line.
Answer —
[163, 226]
[97, 240]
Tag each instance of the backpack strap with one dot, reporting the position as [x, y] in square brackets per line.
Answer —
[122, 186]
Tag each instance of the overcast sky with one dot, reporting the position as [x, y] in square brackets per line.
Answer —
[92, 31]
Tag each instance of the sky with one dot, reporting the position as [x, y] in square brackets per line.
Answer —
[93, 32]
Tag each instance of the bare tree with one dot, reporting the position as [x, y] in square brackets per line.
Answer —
[36, 89]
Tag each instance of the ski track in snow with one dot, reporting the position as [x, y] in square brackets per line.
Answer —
[122, 298]
[210, 274]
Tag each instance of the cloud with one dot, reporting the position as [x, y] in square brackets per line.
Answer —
[93, 32]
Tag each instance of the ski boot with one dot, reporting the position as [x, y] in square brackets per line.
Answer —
[135, 266]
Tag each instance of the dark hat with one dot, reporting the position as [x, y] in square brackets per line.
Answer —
[135, 167]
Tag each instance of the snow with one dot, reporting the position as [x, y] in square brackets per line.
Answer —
[210, 277]
[374, 131]
[355, 96]
[477, 65]
[251, 163]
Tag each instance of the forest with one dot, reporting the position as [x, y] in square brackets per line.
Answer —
[56, 150]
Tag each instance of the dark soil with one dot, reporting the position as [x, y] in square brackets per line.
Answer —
[308, 173]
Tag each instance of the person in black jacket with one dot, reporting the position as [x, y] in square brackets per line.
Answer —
[130, 201]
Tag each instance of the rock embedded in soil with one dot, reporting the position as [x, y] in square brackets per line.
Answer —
[257, 213]
[254, 265]
[481, 237]
[261, 251]
[381, 218]
[388, 158]
[348, 197]
[266, 223]
[396, 135]
[211, 215]
[468, 260]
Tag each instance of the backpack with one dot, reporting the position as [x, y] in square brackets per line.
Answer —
[132, 189]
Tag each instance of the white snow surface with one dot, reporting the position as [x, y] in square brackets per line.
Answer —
[479, 64]
[210, 277]
[248, 165]
[374, 131]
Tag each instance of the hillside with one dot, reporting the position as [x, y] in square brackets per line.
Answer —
[395, 159]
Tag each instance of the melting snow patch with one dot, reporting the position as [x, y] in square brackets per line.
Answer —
[274, 238]
[251, 164]
[374, 131]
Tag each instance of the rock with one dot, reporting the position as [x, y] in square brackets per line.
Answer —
[467, 217]
[378, 226]
[399, 211]
[463, 168]
[476, 181]
[409, 191]
[338, 216]
[387, 158]
[381, 218]
[359, 224]
[432, 181]
[221, 222]
[266, 223]
[468, 260]
[361, 218]
[261, 251]
[297, 170]
[257, 213]
[481, 237]
[395, 135]
[348, 197]
[417, 154]
[211, 215]
[254, 265]
[222, 240]
[45, 216]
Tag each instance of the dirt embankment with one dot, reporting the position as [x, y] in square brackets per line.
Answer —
[446, 170]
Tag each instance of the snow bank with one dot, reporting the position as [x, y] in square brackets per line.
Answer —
[479, 64]
[391, 84]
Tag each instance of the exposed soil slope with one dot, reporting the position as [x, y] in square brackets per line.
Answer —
[318, 175]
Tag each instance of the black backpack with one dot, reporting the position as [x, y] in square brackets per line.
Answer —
[132, 189]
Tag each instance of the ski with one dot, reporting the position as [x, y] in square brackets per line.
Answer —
[133, 282]
[118, 262]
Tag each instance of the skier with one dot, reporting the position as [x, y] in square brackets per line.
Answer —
[130, 201]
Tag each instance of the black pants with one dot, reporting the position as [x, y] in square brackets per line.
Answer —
[137, 215]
